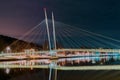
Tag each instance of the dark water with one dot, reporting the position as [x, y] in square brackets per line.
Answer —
[38, 74]
[43, 74]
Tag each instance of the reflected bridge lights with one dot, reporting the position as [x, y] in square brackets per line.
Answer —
[7, 70]
[52, 64]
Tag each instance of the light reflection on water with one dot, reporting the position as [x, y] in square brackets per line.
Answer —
[76, 61]
[84, 61]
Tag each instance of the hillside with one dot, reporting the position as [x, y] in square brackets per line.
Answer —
[15, 44]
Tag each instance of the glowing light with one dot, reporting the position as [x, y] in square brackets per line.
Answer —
[8, 49]
[7, 70]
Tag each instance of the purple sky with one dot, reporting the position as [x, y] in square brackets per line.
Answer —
[102, 16]
[18, 16]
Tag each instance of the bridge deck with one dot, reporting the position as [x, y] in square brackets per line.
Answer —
[62, 50]
[101, 67]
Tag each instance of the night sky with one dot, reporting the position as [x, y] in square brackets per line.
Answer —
[101, 16]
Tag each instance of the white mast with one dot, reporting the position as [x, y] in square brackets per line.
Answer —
[47, 29]
[54, 36]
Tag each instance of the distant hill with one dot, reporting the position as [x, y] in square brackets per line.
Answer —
[15, 44]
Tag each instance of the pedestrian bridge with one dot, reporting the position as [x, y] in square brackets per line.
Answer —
[111, 51]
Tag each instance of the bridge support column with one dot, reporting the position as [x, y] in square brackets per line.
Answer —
[53, 73]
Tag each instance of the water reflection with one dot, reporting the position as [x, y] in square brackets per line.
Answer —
[47, 63]
[7, 70]
[84, 61]
[27, 62]
[77, 61]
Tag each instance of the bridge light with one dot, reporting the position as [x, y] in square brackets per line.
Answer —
[8, 49]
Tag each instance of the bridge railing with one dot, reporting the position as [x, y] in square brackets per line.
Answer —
[62, 50]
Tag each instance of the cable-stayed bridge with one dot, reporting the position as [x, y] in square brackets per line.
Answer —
[61, 41]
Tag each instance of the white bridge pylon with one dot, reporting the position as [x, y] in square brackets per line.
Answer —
[52, 52]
